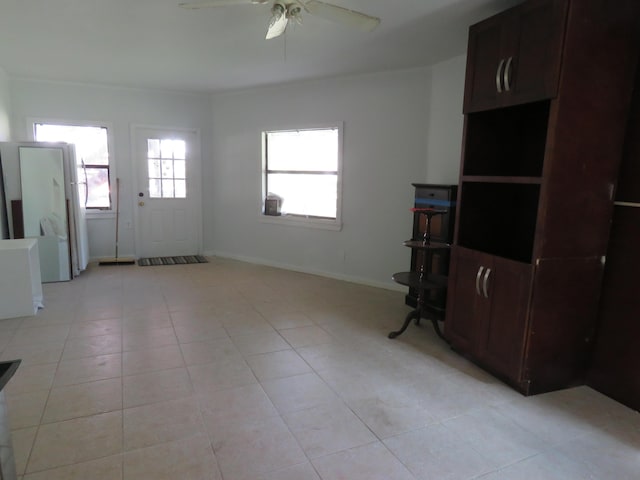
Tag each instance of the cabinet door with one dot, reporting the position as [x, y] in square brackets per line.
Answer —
[534, 69]
[485, 62]
[616, 360]
[501, 346]
[514, 57]
[466, 304]
[487, 310]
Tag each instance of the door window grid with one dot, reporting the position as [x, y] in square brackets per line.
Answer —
[166, 160]
[92, 157]
[302, 169]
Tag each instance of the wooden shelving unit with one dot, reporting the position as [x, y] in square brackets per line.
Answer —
[547, 92]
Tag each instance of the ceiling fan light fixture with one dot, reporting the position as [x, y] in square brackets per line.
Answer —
[294, 12]
[344, 16]
[220, 3]
[278, 22]
[278, 10]
[284, 10]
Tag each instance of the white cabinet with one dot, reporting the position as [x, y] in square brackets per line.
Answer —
[20, 284]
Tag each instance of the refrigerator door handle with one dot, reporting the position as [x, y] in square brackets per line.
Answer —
[86, 184]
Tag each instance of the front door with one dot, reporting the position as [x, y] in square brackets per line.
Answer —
[168, 203]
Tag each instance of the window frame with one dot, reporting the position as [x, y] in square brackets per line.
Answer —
[89, 212]
[310, 221]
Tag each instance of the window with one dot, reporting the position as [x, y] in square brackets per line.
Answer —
[302, 169]
[167, 168]
[92, 155]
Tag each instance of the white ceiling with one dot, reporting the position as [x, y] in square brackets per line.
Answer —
[156, 44]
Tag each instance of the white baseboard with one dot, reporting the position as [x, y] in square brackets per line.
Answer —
[120, 255]
[296, 268]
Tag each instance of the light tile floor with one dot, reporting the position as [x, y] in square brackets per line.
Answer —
[231, 371]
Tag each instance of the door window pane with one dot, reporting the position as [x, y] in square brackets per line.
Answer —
[167, 168]
[155, 188]
[179, 169]
[180, 189]
[167, 189]
[179, 150]
[154, 168]
[153, 146]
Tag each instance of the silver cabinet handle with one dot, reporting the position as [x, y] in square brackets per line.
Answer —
[478, 276]
[507, 75]
[498, 72]
[485, 279]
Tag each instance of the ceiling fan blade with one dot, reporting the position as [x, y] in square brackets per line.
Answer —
[219, 3]
[337, 14]
[278, 22]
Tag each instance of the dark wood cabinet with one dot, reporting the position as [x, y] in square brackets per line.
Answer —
[502, 339]
[440, 197]
[488, 317]
[535, 200]
[466, 313]
[616, 360]
[514, 57]
[615, 369]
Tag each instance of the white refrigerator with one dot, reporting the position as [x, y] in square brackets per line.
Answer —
[42, 200]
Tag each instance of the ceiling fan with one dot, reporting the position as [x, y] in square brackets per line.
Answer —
[282, 11]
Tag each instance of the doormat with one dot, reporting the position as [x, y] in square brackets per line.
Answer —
[183, 260]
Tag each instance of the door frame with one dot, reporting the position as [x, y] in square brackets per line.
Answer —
[134, 137]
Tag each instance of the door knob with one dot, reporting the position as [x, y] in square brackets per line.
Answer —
[141, 204]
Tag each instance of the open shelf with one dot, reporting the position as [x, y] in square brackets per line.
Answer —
[422, 245]
[507, 142]
[499, 219]
[425, 282]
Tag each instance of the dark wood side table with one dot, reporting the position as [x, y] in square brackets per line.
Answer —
[423, 280]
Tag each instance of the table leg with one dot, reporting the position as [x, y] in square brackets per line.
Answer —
[412, 314]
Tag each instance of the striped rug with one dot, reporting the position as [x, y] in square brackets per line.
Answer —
[182, 260]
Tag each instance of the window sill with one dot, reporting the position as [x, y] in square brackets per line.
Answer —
[99, 214]
[297, 221]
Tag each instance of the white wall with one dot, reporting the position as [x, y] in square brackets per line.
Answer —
[446, 121]
[385, 119]
[399, 127]
[120, 108]
[5, 107]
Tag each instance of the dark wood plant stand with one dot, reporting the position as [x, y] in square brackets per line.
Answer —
[423, 280]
